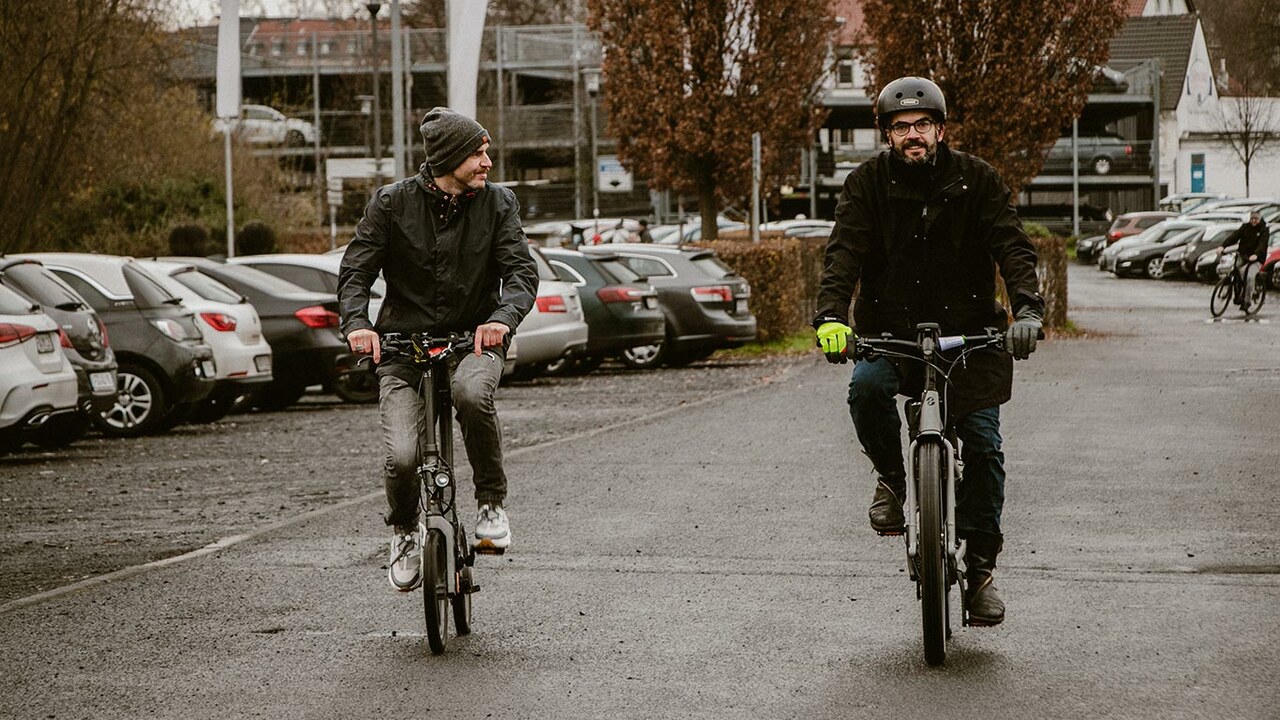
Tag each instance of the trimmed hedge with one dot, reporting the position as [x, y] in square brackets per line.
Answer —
[785, 272]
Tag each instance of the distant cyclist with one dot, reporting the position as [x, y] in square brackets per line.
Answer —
[919, 232]
[1251, 250]
[455, 260]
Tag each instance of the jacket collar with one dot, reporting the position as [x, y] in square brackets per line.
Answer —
[906, 184]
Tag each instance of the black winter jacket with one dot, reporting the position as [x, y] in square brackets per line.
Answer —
[1252, 239]
[922, 245]
[442, 275]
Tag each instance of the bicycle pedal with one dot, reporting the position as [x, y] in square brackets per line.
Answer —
[891, 533]
[486, 547]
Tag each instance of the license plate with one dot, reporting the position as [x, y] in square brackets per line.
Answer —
[740, 306]
[262, 363]
[101, 382]
[44, 343]
[206, 368]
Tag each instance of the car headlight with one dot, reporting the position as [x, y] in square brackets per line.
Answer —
[1127, 254]
[171, 328]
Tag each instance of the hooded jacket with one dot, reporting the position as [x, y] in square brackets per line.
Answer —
[443, 275]
[922, 244]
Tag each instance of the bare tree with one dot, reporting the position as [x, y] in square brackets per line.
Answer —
[1013, 73]
[687, 82]
[1248, 126]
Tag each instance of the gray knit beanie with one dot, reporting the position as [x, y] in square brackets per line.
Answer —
[450, 138]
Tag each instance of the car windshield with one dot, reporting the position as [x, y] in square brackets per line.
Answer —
[259, 280]
[618, 271]
[147, 293]
[43, 286]
[11, 303]
[711, 265]
[206, 287]
[544, 269]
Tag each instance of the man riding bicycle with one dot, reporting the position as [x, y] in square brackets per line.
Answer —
[919, 231]
[1251, 249]
[455, 260]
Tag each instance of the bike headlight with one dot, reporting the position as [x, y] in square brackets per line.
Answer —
[441, 479]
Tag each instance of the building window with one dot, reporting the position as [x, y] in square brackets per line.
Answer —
[326, 47]
[277, 48]
[846, 73]
[304, 48]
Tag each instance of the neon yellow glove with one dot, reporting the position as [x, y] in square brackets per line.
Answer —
[833, 338]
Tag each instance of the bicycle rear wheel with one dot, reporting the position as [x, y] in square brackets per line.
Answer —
[1221, 297]
[1257, 297]
[933, 553]
[435, 590]
[462, 602]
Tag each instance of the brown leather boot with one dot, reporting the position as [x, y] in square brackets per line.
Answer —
[984, 605]
[886, 506]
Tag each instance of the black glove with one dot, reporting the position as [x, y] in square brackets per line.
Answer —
[1020, 338]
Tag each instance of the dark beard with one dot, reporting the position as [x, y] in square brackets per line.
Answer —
[930, 155]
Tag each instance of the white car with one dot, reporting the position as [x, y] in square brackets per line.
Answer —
[36, 378]
[261, 125]
[317, 273]
[553, 329]
[230, 325]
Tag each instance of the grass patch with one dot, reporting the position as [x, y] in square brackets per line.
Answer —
[798, 344]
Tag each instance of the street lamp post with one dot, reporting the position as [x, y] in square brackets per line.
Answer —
[373, 8]
[592, 77]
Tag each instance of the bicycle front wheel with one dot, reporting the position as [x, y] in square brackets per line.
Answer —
[435, 590]
[933, 552]
[1221, 297]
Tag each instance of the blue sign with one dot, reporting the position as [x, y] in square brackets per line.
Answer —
[1197, 172]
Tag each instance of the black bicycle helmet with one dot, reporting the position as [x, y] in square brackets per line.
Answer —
[910, 93]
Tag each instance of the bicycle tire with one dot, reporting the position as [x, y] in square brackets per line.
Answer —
[1221, 298]
[462, 602]
[932, 553]
[435, 590]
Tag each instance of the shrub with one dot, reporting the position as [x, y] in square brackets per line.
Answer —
[255, 238]
[189, 240]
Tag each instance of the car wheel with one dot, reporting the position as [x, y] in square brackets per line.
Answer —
[1155, 268]
[211, 409]
[643, 357]
[1101, 165]
[140, 407]
[278, 395]
[1274, 276]
[357, 386]
[529, 371]
[294, 138]
[62, 430]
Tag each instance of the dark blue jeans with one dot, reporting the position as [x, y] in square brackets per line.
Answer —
[873, 403]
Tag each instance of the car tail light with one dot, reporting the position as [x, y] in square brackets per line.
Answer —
[64, 339]
[552, 304]
[103, 329]
[12, 334]
[1115, 235]
[1128, 149]
[713, 293]
[619, 294]
[317, 317]
[220, 322]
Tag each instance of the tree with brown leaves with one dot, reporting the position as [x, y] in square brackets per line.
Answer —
[1014, 74]
[688, 82]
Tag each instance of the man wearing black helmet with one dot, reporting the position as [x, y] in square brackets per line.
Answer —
[919, 232]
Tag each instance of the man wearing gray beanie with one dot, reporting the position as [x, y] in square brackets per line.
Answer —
[455, 260]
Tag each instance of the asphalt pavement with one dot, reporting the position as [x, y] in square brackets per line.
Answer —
[713, 561]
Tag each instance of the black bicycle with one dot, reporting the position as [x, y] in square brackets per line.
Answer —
[1231, 288]
[447, 559]
[933, 468]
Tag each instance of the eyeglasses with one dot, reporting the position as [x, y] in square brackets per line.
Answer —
[922, 126]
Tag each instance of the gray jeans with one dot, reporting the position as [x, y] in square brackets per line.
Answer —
[475, 380]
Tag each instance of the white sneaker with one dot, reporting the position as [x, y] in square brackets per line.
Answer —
[404, 569]
[493, 530]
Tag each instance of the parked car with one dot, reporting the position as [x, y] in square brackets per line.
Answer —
[1104, 154]
[1147, 259]
[572, 233]
[84, 340]
[1087, 249]
[800, 227]
[690, 231]
[231, 327]
[1157, 233]
[301, 326]
[555, 329]
[1272, 263]
[165, 367]
[37, 382]
[319, 273]
[1181, 261]
[1186, 202]
[704, 301]
[1239, 205]
[621, 310]
[262, 125]
[1135, 222]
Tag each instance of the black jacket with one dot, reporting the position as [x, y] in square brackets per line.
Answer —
[922, 245]
[442, 275]
[1252, 240]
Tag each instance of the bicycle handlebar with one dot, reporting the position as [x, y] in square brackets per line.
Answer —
[422, 346]
[868, 347]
